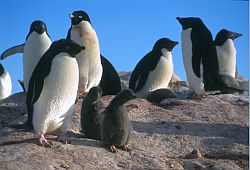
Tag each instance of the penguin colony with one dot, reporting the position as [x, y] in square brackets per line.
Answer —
[56, 73]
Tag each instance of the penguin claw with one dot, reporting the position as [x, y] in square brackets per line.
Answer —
[44, 142]
[113, 149]
[126, 148]
[63, 139]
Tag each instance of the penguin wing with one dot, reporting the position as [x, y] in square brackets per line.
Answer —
[140, 74]
[12, 51]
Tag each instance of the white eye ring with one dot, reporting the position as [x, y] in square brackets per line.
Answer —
[80, 16]
[67, 47]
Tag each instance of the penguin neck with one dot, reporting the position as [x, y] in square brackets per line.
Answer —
[166, 54]
[83, 26]
[229, 46]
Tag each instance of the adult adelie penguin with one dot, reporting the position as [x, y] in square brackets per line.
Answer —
[116, 127]
[154, 71]
[91, 112]
[89, 61]
[36, 44]
[110, 82]
[200, 59]
[5, 83]
[53, 89]
[226, 52]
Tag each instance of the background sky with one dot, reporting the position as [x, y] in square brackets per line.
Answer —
[127, 30]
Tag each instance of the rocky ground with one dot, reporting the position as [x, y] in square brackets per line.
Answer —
[181, 133]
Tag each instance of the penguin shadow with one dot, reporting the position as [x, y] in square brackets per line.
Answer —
[236, 133]
[81, 139]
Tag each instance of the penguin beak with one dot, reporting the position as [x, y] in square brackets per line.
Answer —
[83, 48]
[235, 35]
[71, 16]
[176, 42]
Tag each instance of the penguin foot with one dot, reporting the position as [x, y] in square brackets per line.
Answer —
[126, 148]
[44, 142]
[63, 139]
[113, 149]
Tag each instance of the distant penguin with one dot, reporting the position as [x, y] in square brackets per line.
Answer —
[5, 83]
[89, 60]
[200, 59]
[116, 127]
[53, 89]
[154, 71]
[110, 82]
[36, 44]
[91, 111]
[226, 52]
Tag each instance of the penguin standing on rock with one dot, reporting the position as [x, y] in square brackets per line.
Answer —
[115, 125]
[36, 44]
[89, 60]
[226, 52]
[5, 83]
[53, 89]
[154, 71]
[91, 111]
[200, 59]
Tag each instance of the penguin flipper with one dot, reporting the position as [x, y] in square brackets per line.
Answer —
[196, 64]
[12, 51]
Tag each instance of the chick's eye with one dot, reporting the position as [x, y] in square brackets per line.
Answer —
[67, 47]
[80, 16]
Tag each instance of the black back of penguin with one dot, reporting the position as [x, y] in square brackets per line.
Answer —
[204, 52]
[116, 126]
[91, 113]
[148, 63]
[110, 82]
[43, 68]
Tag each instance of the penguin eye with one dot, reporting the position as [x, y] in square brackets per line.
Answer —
[80, 16]
[67, 47]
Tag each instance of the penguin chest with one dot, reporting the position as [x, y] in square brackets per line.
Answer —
[89, 60]
[35, 46]
[158, 78]
[55, 104]
[227, 58]
[5, 85]
[195, 83]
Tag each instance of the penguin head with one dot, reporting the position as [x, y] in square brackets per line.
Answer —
[190, 22]
[224, 35]
[79, 16]
[1, 69]
[38, 26]
[123, 97]
[67, 46]
[164, 43]
[94, 94]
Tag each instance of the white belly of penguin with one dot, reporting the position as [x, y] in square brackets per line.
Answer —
[195, 83]
[227, 58]
[54, 107]
[158, 78]
[35, 46]
[5, 85]
[89, 61]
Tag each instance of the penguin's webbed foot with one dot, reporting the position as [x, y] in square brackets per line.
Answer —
[113, 149]
[63, 139]
[126, 148]
[44, 142]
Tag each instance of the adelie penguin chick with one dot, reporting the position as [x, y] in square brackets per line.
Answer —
[53, 89]
[91, 111]
[89, 60]
[226, 51]
[36, 44]
[115, 125]
[5, 83]
[110, 82]
[154, 71]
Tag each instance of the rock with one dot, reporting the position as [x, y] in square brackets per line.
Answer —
[216, 126]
